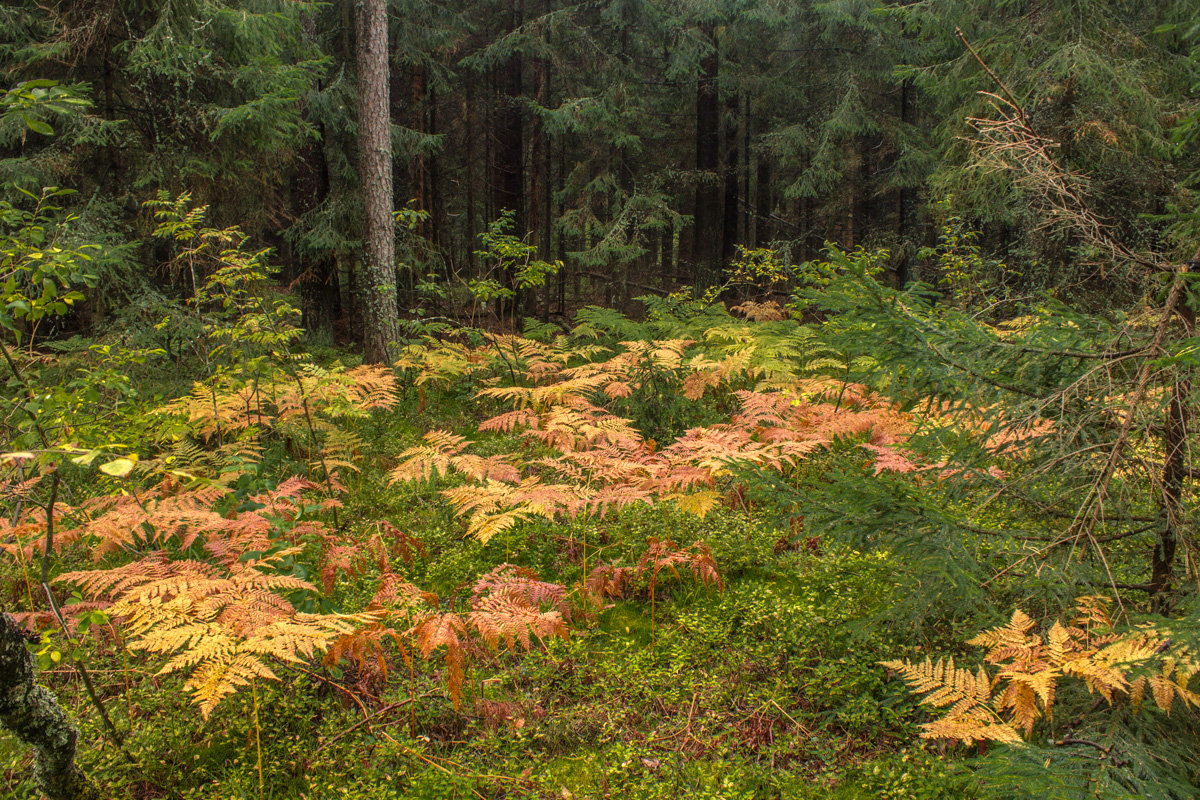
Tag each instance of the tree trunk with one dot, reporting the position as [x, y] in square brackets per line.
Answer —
[33, 714]
[764, 230]
[420, 167]
[729, 175]
[508, 181]
[1175, 470]
[707, 219]
[904, 273]
[381, 317]
[468, 113]
[539, 217]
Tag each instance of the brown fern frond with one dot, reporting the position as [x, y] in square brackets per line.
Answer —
[445, 630]
[406, 544]
[704, 566]
[609, 580]
[522, 584]
[500, 617]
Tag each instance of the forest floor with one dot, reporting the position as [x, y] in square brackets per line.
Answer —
[765, 686]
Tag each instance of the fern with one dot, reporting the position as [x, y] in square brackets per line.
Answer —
[171, 514]
[1002, 706]
[221, 626]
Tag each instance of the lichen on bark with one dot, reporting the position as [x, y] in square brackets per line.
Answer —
[32, 713]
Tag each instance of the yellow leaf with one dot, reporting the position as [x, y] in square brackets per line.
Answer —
[698, 503]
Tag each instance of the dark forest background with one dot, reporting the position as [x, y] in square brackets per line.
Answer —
[640, 142]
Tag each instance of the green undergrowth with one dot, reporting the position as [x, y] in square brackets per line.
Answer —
[764, 690]
[768, 687]
[673, 610]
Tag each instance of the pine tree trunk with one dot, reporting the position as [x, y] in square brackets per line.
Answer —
[1175, 471]
[707, 219]
[33, 714]
[508, 184]
[729, 175]
[420, 169]
[468, 114]
[539, 217]
[381, 318]
[764, 230]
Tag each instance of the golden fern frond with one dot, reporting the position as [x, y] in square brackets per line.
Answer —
[221, 627]
[945, 684]
[486, 525]
[299, 637]
[214, 680]
[493, 468]
[495, 507]
[1020, 697]
[695, 503]
[1013, 636]
[969, 728]
[1032, 667]
[371, 386]
[1093, 616]
[423, 462]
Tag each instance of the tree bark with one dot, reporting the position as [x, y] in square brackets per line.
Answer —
[34, 715]
[381, 317]
[764, 207]
[539, 208]
[708, 218]
[1175, 470]
[729, 176]
[508, 181]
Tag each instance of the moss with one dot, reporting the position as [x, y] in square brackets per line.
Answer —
[32, 712]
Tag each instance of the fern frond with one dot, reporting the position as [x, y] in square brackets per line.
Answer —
[445, 630]
[423, 462]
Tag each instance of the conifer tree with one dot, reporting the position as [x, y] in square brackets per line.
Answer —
[381, 322]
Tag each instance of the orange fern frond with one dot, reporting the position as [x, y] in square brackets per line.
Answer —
[445, 630]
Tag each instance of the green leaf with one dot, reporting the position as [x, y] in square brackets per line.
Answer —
[118, 468]
[38, 126]
[86, 459]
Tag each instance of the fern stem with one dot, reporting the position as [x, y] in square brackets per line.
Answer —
[257, 735]
[47, 550]
[21, 550]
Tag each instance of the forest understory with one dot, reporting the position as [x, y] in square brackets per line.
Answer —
[736, 400]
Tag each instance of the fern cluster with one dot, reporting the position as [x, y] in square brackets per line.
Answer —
[1005, 706]
[565, 401]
